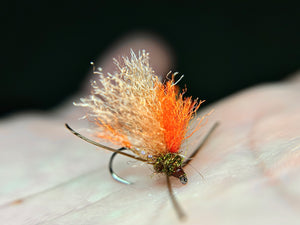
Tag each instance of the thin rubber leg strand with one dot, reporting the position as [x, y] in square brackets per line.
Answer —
[103, 146]
[189, 159]
[181, 215]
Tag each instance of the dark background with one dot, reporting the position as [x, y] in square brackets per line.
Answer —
[221, 46]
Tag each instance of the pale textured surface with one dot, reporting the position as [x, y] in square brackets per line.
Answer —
[251, 167]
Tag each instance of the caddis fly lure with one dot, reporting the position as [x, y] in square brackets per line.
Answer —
[133, 109]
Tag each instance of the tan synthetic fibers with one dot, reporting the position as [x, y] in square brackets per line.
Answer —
[132, 108]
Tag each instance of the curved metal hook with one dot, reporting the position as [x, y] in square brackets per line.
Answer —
[113, 174]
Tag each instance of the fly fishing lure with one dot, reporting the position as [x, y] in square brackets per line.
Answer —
[132, 108]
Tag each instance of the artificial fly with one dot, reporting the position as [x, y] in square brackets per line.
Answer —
[132, 108]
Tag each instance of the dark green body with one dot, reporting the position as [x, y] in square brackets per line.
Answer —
[171, 165]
